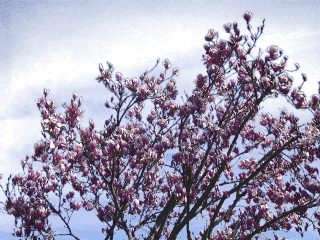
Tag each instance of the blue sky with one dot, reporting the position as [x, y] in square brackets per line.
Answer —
[58, 45]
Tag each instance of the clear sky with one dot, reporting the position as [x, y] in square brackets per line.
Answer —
[58, 45]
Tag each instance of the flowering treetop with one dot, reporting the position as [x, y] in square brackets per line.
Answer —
[123, 161]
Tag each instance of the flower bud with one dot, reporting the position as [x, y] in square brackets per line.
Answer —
[247, 16]
[101, 68]
[74, 96]
[162, 75]
[23, 163]
[304, 76]
[166, 64]
[175, 71]
[45, 92]
[118, 76]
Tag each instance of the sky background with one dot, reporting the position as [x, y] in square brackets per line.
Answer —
[58, 45]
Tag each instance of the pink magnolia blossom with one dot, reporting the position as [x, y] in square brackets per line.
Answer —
[211, 35]
[166, 64]
[247, 16]
[272, 50]
[175, 71]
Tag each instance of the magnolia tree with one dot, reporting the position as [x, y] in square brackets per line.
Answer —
[123, 161]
